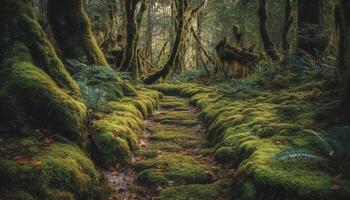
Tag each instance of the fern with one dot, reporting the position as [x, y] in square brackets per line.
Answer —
[97, 83]
[300, 154]
[333, 143]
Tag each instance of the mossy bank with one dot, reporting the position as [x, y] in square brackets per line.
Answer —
[251, 128]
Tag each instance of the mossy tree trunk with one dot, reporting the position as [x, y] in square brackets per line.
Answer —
[71, 30]
[168, 67]
[344, 50]
[184, 18]
[133, 21]
[36, 91]
[311, 38]
[265, 37]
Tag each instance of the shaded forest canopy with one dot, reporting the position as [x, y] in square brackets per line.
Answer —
[174, 99]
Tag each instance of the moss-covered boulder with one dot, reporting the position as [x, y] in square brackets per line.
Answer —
[119, 127]
[45, 168]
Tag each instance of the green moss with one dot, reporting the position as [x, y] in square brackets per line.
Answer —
[181, 118]
[173, 167]
[225, 155]
[146, 153]
[170, 133]
[193, 192]
[73, 41]
[36, 90]
[255, 129]
[56, 170]
[120, 126]
[110, 149]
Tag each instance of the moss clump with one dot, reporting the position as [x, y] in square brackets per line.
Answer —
[35, 168]
[120, 126]
[146, 153]
[193, 192]
[173, 167]
[225, 155]
[170, 133]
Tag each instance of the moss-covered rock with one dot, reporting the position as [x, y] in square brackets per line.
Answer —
[193, 192]
[173, 167]
[42, 168]
[119, 127]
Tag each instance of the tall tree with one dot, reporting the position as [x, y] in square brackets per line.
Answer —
[311, 37]
[36, 91]
[288, 21]
[184, 18]
[265, 37]
[343, 20]
[133, 21]
[72, 31]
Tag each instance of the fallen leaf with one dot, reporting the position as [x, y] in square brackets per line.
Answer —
[36, 162]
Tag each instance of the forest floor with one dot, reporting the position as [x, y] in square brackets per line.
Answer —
[173, 161]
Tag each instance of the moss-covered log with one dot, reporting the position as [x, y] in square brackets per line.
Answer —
[240, 61]
[36, 90]
[71, 29]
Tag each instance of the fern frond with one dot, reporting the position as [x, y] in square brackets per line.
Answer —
[300, 154]
[322, 141]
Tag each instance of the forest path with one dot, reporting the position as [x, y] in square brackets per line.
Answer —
[173, 161]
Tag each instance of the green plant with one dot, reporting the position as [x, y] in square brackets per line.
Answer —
[97, 83]
[333, 145]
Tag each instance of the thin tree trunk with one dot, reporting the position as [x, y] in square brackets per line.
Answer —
[288, 21]
[131, 29]
[168, 67]
[267, 42]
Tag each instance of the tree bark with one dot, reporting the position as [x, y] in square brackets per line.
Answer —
[36, 91]
[133, 20]
[288, 21]
[267, 42]
[71, 30]
[168, 67]
[344, 51]
[311, 38]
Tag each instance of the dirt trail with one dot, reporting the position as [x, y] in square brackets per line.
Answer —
[173, 161]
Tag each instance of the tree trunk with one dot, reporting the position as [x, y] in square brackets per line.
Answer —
[311, 39]
[71, 30]
[132, 36]
[344, 51]
[149, 33]
[168, 67]
[36, 91]
[288, 21]
[267, 42]
[199, 37]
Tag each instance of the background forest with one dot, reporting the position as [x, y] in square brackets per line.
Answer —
[174, 99]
